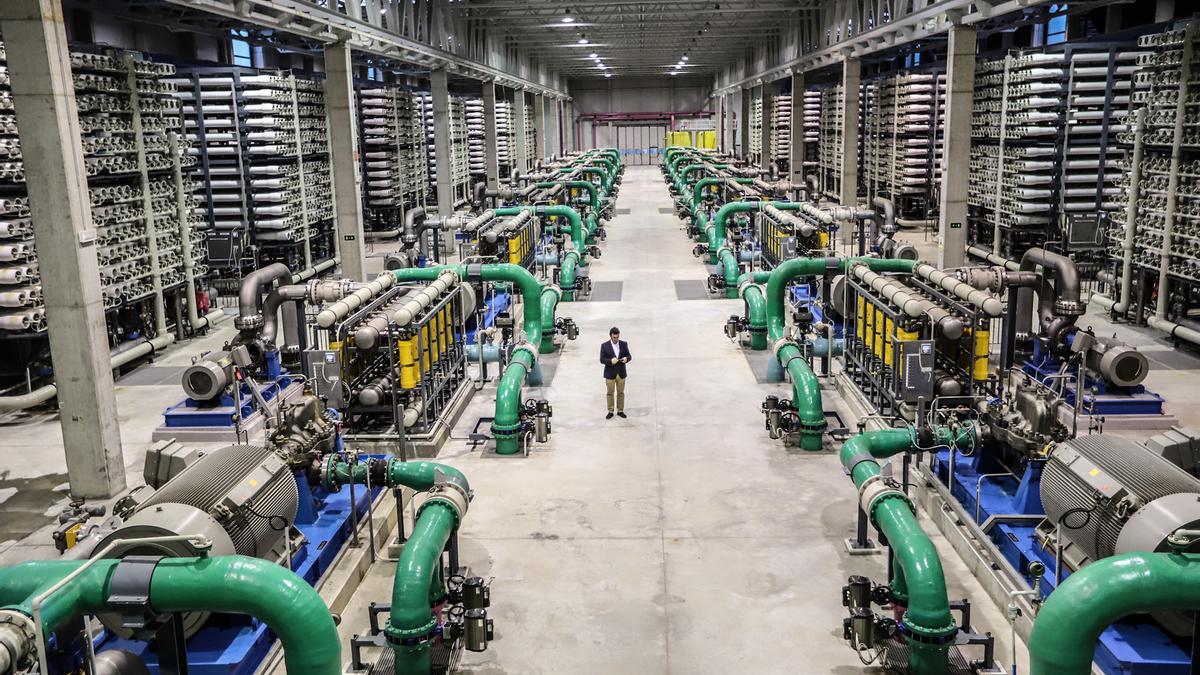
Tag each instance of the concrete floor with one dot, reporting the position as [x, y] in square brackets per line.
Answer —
[681, 540]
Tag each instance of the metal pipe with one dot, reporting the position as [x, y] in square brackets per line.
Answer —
[249, 317]
[914, 305]
[988, 303]
[118, 358]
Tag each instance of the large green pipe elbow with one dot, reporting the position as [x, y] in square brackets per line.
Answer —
[507, 423]
[1072, 618]
[721, 219]
[806, 396]
[727, 261]
[756, 311]
[573, 218]
[919, 583]
[796, 268]
[568, 275]
[550, 298]
[271, 593]
[531, 288]
[593, 191]
[411, 623]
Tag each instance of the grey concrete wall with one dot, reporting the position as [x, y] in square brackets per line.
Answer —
[641, 94]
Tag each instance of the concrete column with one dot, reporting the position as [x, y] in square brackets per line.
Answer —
[743, 124]
[522, 157]
[851, 76]
[542, 144]
[39, 64]
[490, 144]
[956, 146]
[767, 129]
[796, 133]
[556, 133]
[343, 158]
[439, 87]
[730, 130]
[721, 123]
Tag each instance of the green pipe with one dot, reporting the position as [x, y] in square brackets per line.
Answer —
[418, 475]
[606, 177]
[411, 623]
[234, 584]
[727, 262]
[756, 311]
[720, 232]
[919, 584]
[593, 192]
[1072, 618]
[557, 210]
[550, 298]
[806, 388]
[506, 425]
[531, 289]
[705, 182]
[568, 272]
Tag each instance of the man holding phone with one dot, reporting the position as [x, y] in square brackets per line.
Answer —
[614, 354]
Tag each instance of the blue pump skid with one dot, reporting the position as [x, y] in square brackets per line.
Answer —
[237, 645]
[1011, 510]
[1099, 397]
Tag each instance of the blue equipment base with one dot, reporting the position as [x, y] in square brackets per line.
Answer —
[1099, 397]
[231, 644]
[495, 306]
[194, 414]
[1133, 646]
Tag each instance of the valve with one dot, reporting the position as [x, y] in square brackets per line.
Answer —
[735, 326]
[803, 318]
[584, 286]
[716, 283]
[71, 521]
[781, 418]
[700, 250]
[567, 326]
[593, 250]
[863, 629]
[535, 417]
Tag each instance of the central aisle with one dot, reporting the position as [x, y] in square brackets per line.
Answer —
[682, 540]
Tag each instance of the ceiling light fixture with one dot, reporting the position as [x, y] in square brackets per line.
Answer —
[567, 18]
[583, 40]
[685, 57]
[592, 55]
[608, 74]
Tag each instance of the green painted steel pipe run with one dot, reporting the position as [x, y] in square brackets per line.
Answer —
[417, 583]
[697, 191]
[1072, 618]
[558, 210]
[728, 264]
[593, 191]
[568, 275]
[919, 584]
[753, 295]
[550, 297]
[234, 584]
[806, 388]
[507, 423]
[531, 288]
[718, 224]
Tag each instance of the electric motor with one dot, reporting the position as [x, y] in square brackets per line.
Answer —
[1112, 496]
[243, 498]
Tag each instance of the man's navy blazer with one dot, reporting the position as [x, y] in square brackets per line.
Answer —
[607, 354]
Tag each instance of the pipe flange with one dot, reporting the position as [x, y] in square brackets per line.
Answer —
[248, 322]
[1069, 308]
[743, 285]
[18, 636]
[874, 491]
[554, 288]
[410, 637]
[527, 346]
[449, 494]
[931, 636]
[779, 346]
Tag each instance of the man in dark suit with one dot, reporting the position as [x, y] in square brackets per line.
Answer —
[614, 354]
